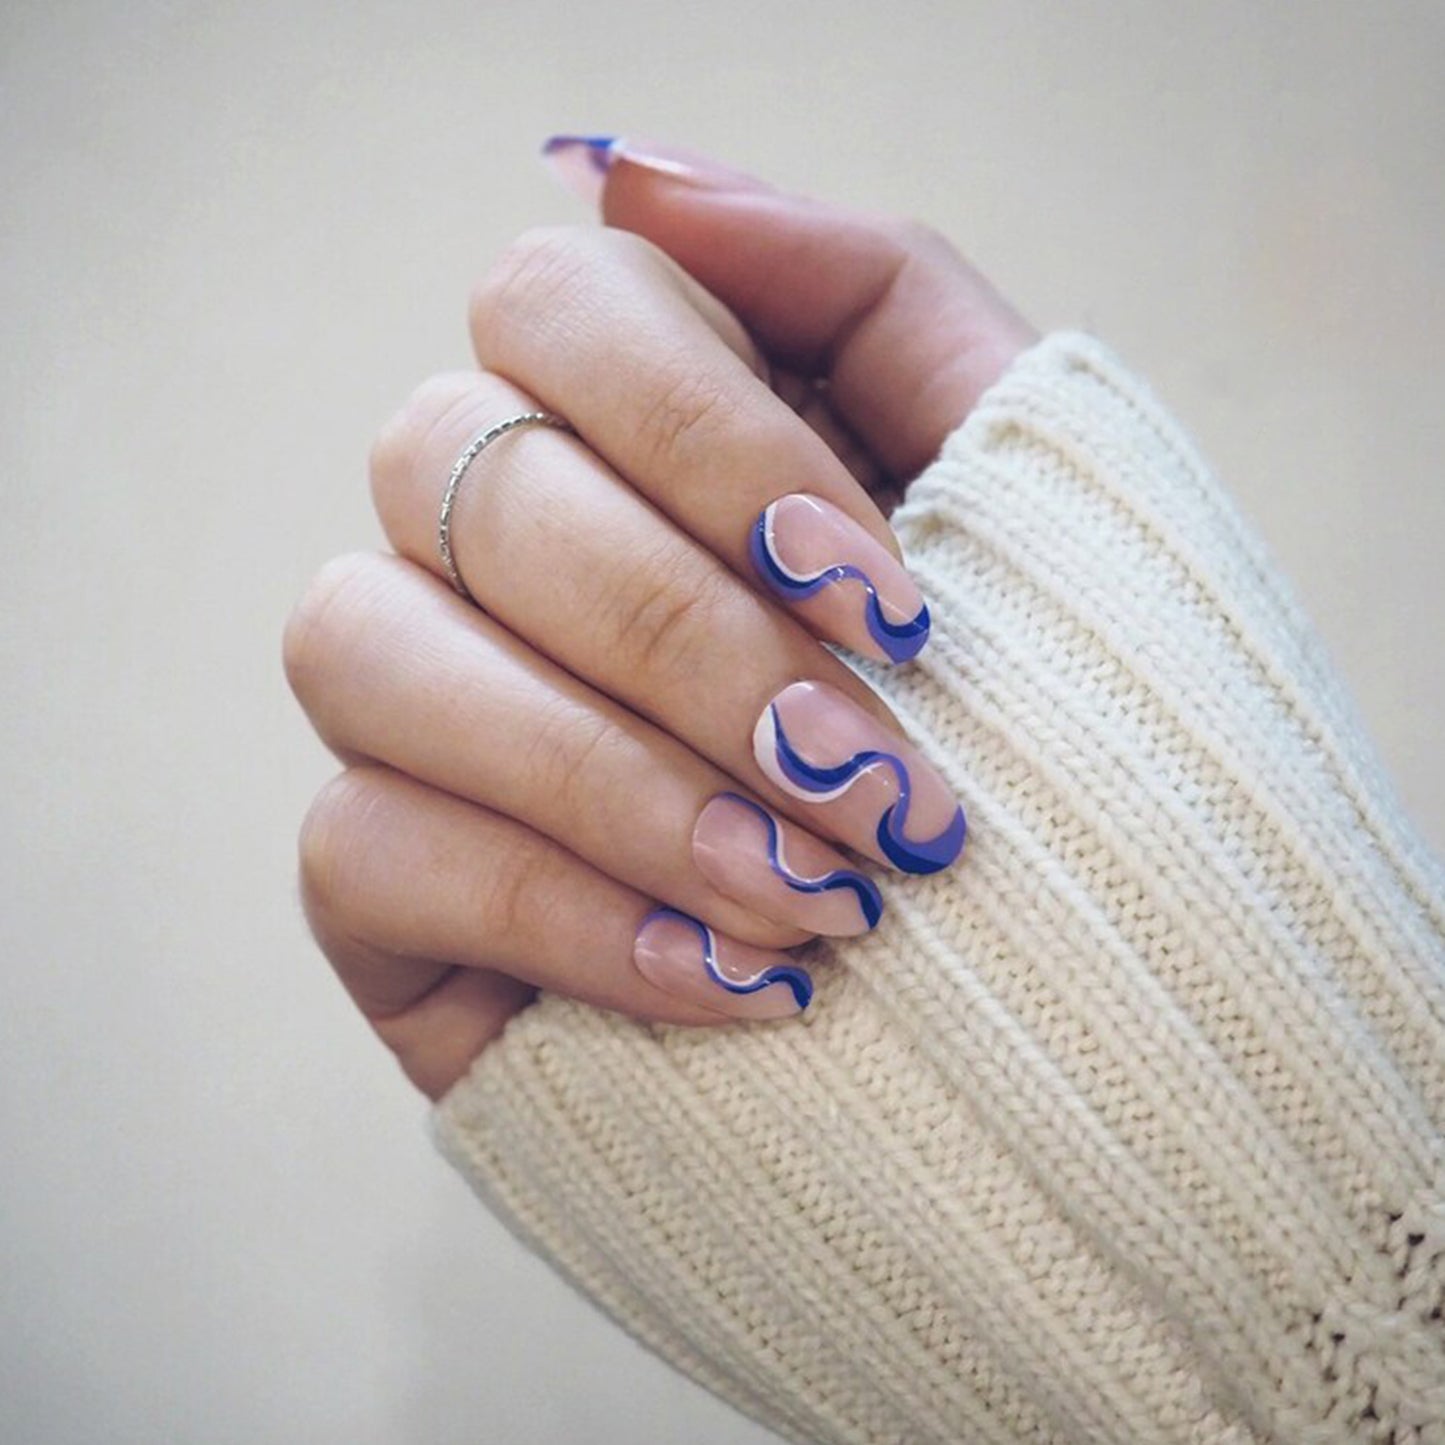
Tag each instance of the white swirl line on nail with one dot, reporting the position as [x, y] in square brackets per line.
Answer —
[765, 743]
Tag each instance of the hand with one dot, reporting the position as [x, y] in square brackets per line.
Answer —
[624, 774]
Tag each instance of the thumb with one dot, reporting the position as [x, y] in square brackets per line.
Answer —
[906, 332]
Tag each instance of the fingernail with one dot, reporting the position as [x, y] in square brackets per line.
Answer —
[684, 957]
[884, 798]
[781, 872]
[839, 579]
[582, 162]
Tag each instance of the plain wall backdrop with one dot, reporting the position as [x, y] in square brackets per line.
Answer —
[232, 238]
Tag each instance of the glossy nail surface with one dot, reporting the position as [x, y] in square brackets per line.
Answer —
[841, 580]
[781, 872]
[684, 957]
[879, 791]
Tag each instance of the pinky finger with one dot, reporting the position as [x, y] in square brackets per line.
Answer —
[411, 873]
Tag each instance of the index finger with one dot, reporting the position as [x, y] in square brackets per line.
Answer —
[658, 378]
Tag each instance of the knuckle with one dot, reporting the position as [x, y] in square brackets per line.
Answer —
[332, 834]
[405, 436]
[543, 264]
[316, 620]
[668, 614]
[509, 892]
[627, 250]
[563, 755]
[684, 420]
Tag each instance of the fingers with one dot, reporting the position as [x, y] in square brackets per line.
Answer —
[568, 557]
[395, 870]
[391, 665]
[908, 334]
[663, 385]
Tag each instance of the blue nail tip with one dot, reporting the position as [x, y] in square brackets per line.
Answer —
[870, 900]
[929, 855]
[599, 147]
[900, 641]
[796, 979]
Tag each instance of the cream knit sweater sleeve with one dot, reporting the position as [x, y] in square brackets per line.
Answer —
[1128, 1127]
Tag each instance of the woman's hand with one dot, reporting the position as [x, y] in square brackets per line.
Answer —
[626, 773]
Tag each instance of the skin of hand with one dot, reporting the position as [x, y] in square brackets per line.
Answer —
[627, 768]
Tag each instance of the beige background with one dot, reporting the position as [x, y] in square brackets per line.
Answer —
[233, 237]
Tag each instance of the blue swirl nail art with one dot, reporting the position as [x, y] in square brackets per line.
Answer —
[796, 979]
[900, 641]
[820, 783]
[870, 901]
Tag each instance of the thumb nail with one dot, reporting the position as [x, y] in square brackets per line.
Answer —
[582, 162]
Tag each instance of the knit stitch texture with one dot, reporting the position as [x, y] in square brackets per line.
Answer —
[1126, 1128]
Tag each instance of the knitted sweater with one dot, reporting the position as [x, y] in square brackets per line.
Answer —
[1128, 1127]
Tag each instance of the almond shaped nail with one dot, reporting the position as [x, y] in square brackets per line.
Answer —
[779, 871]
[684, 957]
[884, 797]
[842, 580]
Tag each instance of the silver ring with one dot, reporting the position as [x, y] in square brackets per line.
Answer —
[470, 453]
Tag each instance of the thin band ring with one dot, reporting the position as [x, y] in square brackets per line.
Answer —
[472, 450]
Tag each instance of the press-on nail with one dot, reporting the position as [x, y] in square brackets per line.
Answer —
[684, 957]
[779, 871]
[882, 795]
[840, 579]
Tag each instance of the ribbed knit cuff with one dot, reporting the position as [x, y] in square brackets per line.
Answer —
[1125, 1128]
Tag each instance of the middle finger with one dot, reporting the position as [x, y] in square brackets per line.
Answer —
[665, 384]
